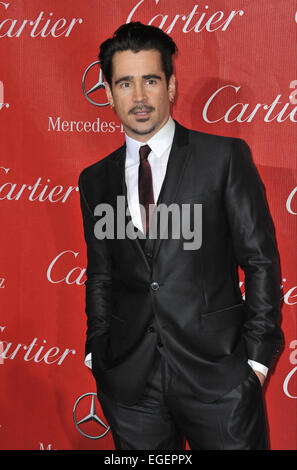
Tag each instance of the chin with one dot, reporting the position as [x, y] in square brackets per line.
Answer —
[143, 131]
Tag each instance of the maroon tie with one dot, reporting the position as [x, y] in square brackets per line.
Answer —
[145, 183]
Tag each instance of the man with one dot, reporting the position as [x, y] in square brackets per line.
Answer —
[176, 352]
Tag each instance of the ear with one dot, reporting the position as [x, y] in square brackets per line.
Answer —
[172, 88]
[109, 94]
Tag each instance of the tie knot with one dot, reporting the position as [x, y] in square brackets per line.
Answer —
[144, 152]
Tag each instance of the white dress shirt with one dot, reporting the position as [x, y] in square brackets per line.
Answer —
[160, 145]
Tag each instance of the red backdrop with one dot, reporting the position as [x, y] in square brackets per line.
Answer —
[236, 73]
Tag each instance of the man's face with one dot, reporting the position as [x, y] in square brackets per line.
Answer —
[140, 94]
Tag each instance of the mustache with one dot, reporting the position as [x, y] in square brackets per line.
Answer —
[141, 107]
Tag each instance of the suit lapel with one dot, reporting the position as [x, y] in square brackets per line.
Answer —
[119, 166]
[176, 164]
[175, 167]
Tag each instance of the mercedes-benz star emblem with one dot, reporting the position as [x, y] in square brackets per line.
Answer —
[89, 417]
[98, 85]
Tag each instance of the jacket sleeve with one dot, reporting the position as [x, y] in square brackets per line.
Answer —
[255, 248]
[98, 282]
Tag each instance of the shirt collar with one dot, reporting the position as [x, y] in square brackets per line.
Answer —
[159, 143]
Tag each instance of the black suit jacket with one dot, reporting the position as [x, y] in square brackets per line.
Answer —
[207, 330]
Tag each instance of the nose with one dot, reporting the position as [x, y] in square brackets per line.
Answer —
[139, 94]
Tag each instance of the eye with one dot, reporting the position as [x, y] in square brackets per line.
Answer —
[151, 82]
[124, 85]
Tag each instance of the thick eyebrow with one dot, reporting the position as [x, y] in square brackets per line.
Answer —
[128, 78]
[124, 79]
[147, 77]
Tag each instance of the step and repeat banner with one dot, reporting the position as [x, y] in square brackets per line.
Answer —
[236, 73]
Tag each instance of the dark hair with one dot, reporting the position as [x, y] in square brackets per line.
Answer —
[136, 37]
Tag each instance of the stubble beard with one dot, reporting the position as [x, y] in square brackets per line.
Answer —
[144, 132]
[141, 107]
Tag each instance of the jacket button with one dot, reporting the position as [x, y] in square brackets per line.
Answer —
[151, 329]
[155, 286]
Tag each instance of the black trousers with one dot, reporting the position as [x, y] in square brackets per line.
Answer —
[168, 414]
